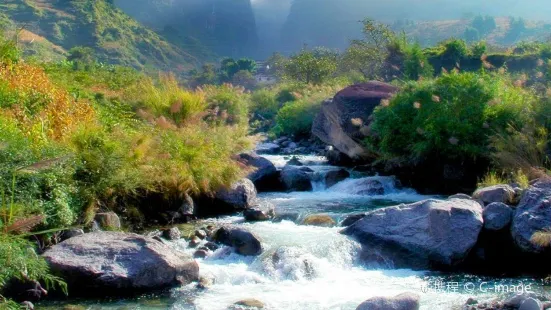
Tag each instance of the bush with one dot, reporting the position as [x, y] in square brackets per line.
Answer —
[450, 118]
[416, 64]
[296, 118]
[455, 50]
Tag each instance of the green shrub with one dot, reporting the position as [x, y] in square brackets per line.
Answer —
[296, 118]
[455, 50]
[416, 64]
[229, 104]
[478, 49]
[451, 117]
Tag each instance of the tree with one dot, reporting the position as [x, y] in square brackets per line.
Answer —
[207, 76]
[309, 67]
[276, 64]
[83, 57]
[471, 34]
[368, 55]
[244, 78]
[229, 67]
[416, 63]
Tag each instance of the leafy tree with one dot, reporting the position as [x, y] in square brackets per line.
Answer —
[82, 57]
[244, 78]
[516, 29]
[484, 24]
[229, 67]
[416, 63]
[310, 67]
[455, 50]
[207, 76]
[478, 49]
[8, 49]
[276, 64]
[368, 55]
[471, 34]
[246, 64]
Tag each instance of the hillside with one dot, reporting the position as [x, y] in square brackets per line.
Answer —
[58, 25]
[432, 32]
[227, 28]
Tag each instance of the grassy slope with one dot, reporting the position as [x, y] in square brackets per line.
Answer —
[116, 37]
[431, 32]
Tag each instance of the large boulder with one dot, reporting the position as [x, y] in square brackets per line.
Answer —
[115, 263]
[342, 121]
[243, 241]
[427, 234]
[296, 178]
[405, 301]
[498, 193]
[263, 211]
[264, 175]
[533, 214]
[241, 195]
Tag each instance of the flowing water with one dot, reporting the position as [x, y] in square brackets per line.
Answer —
[306, 267]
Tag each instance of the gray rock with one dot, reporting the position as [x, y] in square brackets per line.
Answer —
[267, 148]
[295, 162]
[405, 301]
[497, 215]
[498, 193]
[70, 233]
[516, 300]
[533, 214]
[241, 195]
[351, 219]
[263, 168]
[296, 179]
[188, 206]
[172, 234]
[201, 253]
[194, 242]
[200, 233]
[113, 263]
[262, 212]
[243, 241]
[422, 234]
[108, 221]
[336, 176]
[531, 304]
[460, 196]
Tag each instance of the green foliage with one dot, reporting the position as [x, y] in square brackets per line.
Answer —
[478, 49]
[296, 118]
[451, 117]
[310, 67]
[8, 49]
[368, 55]
[277, 63]
[455, 50]
[82, 57]
[230, 67]
[416, 64]
[19, 261]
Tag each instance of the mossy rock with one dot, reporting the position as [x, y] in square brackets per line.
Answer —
[321, 220]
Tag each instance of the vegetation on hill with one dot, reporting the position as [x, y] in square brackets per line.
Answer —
[115, 37]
